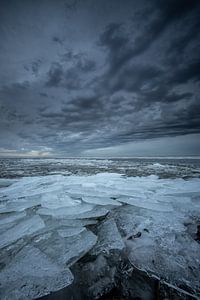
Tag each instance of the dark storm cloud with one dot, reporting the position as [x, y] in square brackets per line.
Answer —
[116, 39]
[70, 77]
[186, 73]
[83, 75]
[133, 77]
[55, 75]
[82, 112]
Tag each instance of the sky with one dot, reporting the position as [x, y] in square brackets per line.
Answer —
[99, 78]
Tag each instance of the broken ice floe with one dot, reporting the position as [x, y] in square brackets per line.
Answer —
[55, 214]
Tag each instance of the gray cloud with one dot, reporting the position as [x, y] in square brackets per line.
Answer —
[80, 76]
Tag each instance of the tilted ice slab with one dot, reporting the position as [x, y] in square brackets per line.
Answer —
[84, 211]
[152, 204]
[58, 200]
[109, 238]
[75, 222]
[5, 182]
[70, 231]
[96, 213]
[69, 249]
[100, 200]
[22, 229]
[31, 274]
[31, 186]
[19, 204]
[65, 211]
[12, 218]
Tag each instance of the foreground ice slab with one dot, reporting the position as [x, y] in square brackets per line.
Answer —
[32, 274]
[159, 243]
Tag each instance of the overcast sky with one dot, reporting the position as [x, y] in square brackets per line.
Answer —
[99, 77]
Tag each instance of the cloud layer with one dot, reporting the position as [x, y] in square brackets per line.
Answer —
[77, 76]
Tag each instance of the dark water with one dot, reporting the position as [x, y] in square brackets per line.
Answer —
[162, 167]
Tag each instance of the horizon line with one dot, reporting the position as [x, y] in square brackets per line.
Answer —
[100, 157]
